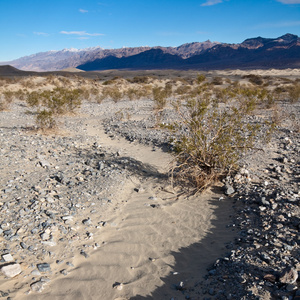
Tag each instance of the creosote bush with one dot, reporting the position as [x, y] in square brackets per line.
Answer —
[160, 97]
[294, 93]
[112, 93]
[45, 119]
[51, 103]
[200, 78]
[212, 139]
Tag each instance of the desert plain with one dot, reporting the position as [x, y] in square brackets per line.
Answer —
[88, 209]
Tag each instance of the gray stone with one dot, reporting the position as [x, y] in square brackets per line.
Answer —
[229, 190]
[44, 267]
[37, 286]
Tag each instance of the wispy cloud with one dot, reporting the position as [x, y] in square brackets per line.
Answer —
[81, 33]
[41, 33]
[278, 25]
[289, 1]
[211, 2]
[83, 10]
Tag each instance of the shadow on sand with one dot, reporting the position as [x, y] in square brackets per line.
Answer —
[192, 262]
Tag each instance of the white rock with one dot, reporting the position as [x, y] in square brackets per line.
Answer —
[7, 257]
[11, 270]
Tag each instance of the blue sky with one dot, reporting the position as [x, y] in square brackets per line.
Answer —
[31, 26]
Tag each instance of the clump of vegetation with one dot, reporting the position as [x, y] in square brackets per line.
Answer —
[254, 79]
[140, 79]
[111, 81]
[137, 93]
[160, 96]
[112, 93]
[200, 78]
[294, 93]
[45, 119]
[217, 80]
[6, 99]
[212, 140]
[52, 103]
[183, 89]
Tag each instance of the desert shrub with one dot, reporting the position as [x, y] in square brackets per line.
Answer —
[33, 98]
[65, 81]
[183, 89]
[3, 104]
[211, 141]
[5, 100]
[160, 96]
[217, 80]
[28, 83]
[94, 91]
[200, 78]
[8, 96]
[51, 103]
[254, 79]
[200, 90]
[181, 80]
[224, 95]
[140, 79]
[57, 101]
[45, 119]
[111, 81]
[294, 93]
[112, 93]
[20, 94]
[134, 93]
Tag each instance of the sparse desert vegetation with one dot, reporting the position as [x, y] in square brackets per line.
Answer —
[234, 132]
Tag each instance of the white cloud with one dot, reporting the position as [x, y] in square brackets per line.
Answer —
[83, 11]
[41, 33]
[211, 2]
[289, 1]
[81, 33]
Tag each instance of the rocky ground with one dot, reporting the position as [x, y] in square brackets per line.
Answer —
[264, 260]
[54, 186]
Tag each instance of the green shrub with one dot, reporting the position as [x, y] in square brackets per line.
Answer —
[5, 99]
[254, 79]
[211, 142]
[111, 81]
[183, 89]
[200, 78]
[58, 101]
[33, 98]
[112, 93]
[294, 93]
[140, 79]
[217, 80]
[45, 119]
[160, 97]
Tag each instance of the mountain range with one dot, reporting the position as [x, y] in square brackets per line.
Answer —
[281, 52]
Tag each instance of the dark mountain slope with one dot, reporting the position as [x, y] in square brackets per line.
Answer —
[151, 59]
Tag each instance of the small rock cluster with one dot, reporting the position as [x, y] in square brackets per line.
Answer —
[54, 192]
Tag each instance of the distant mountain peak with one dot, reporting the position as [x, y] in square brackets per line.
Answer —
[56, 60]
